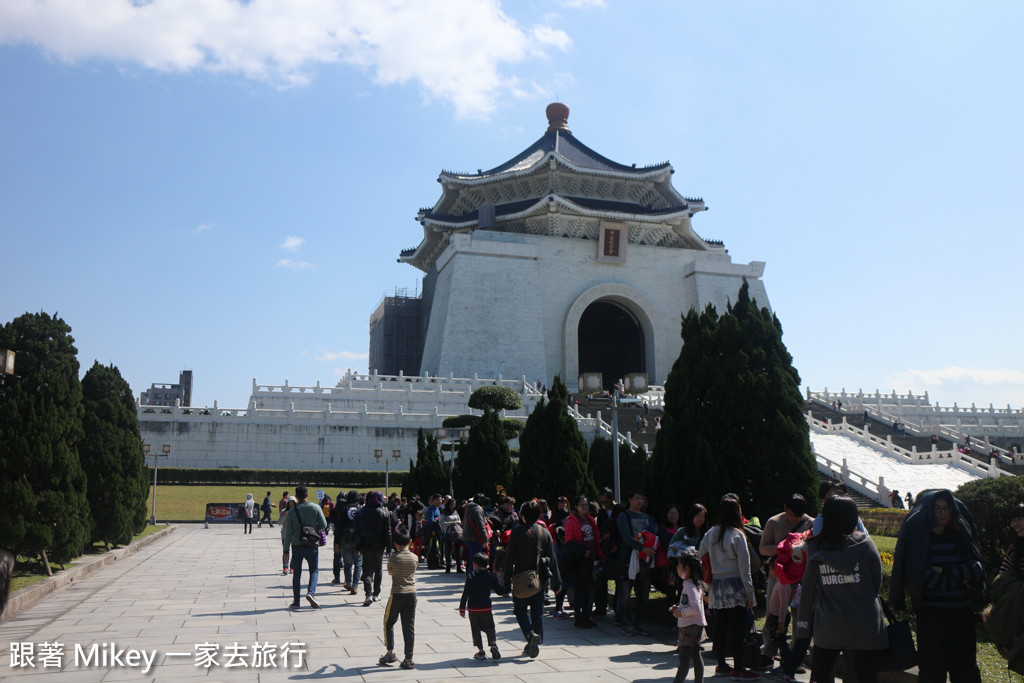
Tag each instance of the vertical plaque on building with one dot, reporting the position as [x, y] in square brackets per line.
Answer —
[611, 244]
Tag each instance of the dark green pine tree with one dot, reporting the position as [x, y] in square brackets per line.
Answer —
[553, 455]
[111, 456]
[429, 473]
[733, 415]
[43, 487]
[484, 461]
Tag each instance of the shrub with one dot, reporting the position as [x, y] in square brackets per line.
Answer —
[883, 521]
[990, 502]
[495, 398]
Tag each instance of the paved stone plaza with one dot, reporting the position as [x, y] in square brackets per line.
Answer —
[221, 587]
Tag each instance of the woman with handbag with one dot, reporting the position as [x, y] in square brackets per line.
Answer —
[530, 553]
[839, 603]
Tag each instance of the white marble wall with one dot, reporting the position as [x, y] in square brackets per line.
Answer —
[511, 303]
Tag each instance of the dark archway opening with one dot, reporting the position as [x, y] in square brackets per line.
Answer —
[611, 342]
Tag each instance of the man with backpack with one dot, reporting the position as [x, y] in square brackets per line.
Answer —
[345, 541]
[301, 528]
[373, 537]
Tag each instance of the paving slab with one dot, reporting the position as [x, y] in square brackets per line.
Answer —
[220, 590]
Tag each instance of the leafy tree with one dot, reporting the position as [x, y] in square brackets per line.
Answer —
[111, 456]
[632, 465]
[43, 487]
[484, 461]
[429, 473]
[733, 415]
[553, 455]
[990, 502]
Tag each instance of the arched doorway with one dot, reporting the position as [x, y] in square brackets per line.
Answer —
[611, 341]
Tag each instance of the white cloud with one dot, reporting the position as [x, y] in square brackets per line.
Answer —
[454, 49]
[341, 355]
[203, 227]
[582, 4]
[293, 265]
[292, 243]
[963, 385]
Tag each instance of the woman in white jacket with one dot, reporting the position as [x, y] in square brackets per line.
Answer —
[732, 591]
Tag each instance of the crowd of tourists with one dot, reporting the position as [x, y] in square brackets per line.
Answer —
[819, 578]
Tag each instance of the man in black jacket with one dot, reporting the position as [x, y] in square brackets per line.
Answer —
[373, 527]
[528, 542]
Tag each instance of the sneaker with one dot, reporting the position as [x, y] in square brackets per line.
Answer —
[407, 664]
[495, 654]
[376, 597]
[352, 590]
[480, 656]
[336, 581]
[628, 630]
[533, 647]
[744, 675]
[368, 601]
[778, 673]
[294, 605]
[559, 614]
[284, 572]
[723, 670]
[640, 630]
[311, 599]
[387, 660]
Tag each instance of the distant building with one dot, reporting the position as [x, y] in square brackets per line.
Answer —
[396, 335]
[167, 394]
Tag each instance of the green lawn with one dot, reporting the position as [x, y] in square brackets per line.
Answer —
[30, 570]
[188, 502]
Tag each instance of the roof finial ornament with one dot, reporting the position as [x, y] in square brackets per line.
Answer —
[558, 117]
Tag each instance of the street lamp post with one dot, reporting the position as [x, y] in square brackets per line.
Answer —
[156, 465]
[378, 454]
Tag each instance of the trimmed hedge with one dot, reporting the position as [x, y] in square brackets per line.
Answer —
[883, 521]
[495, 398]
[332, 478]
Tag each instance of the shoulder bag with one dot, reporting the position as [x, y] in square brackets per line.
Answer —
[527, 584]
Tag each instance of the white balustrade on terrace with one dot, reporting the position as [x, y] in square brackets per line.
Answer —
[915, 409]
[920, 419]
[874, 466]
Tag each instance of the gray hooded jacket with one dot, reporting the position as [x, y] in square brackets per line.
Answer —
[839, 597]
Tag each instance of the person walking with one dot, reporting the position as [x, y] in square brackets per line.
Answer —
[282, 507]
[265, 509]
[451, 533]
[530, 549]
[248, 512]
[376, 526]
[345, 540]
[936, 560]
[476, 596]
[285, 539]
[839, 596]
[402, 603]
[306, 515]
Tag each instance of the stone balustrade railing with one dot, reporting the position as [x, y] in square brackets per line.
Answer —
[877, 489]
[887, 416]
[979, 422]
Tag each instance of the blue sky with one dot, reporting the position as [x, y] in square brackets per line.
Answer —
[225, 186]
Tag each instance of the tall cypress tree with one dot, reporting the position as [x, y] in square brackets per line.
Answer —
[484, 461]
[733, 415]
[43, 487]
[553, 455]
[111, 456]
[429, 473]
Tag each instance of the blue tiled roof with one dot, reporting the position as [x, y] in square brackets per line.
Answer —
[566, 146]
[583, 202]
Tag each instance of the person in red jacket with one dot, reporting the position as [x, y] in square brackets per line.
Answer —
[580, 551]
